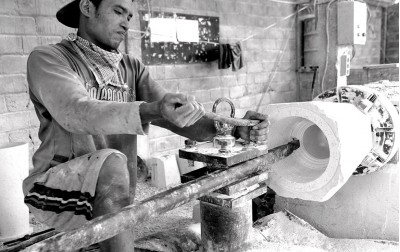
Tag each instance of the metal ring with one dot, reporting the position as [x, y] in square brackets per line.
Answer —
[223, 128]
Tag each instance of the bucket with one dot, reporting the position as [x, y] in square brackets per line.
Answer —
[14, 168]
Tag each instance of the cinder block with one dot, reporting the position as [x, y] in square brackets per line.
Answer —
[171, 86]
[193, 84]
[13, 84]
[236, 92]
[28, 8]
[17, 25]
[229, 81]
[202, 96]
[164, 171]
[8, 7]
[218, 93]
[261, 77]
[254, 67]
[186, 165]
[13, 64]
[223, 7]
[3, 106]
[256, 88]
[209, 6]
[227, 31]
[186, 71]
[248, 102]
[14, 121]
[157, 72]
[20, 136]
[48, 8]
[10, 44]
[256, 44]
[50, 26]
[241, 79]
[18, 102]
[250, 78]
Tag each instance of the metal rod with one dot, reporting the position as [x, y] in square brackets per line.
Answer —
[231, 120]
[109, 225]
[28, 240]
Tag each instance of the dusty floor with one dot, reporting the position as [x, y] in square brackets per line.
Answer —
[274, 233]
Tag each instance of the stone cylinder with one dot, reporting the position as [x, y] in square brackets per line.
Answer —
[334, 139]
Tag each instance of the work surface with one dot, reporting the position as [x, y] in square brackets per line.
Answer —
[277, 232]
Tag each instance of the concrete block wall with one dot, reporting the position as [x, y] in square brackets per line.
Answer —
[314, 49]
[23, 25]
[26, 24]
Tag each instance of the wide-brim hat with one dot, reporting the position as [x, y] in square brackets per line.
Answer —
[69, 14]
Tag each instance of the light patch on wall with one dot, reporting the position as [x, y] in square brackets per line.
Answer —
[187, 30]
[174, 30]
[163, 30]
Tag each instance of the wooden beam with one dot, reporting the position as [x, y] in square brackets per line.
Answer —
[109, 225]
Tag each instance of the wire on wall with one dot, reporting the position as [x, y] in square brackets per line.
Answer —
[327, 45]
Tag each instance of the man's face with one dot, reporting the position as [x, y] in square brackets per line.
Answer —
[110, 23]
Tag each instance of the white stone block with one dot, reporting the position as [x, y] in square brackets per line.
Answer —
[334, 139]
[164, 171]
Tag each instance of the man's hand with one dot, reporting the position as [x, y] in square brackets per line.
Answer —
[181, 110]
[257, 133]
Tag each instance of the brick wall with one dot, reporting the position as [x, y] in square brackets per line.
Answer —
[26, 24]
[23, 25]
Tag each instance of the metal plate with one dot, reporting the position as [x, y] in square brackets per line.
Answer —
[207, 153]
[238, 199]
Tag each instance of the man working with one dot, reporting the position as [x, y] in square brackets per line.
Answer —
[92, 101]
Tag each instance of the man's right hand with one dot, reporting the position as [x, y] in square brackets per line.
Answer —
[180, 109]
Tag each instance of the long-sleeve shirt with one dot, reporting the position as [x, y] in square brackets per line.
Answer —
[78, 117]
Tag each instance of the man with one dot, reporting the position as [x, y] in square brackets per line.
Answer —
[92, 101]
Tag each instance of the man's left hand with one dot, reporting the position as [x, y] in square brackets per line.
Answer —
[257, 133]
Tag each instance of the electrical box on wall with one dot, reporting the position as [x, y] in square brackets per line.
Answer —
[352, 23]
[344, 65]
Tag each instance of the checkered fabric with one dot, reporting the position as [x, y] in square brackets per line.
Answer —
[102, 63]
